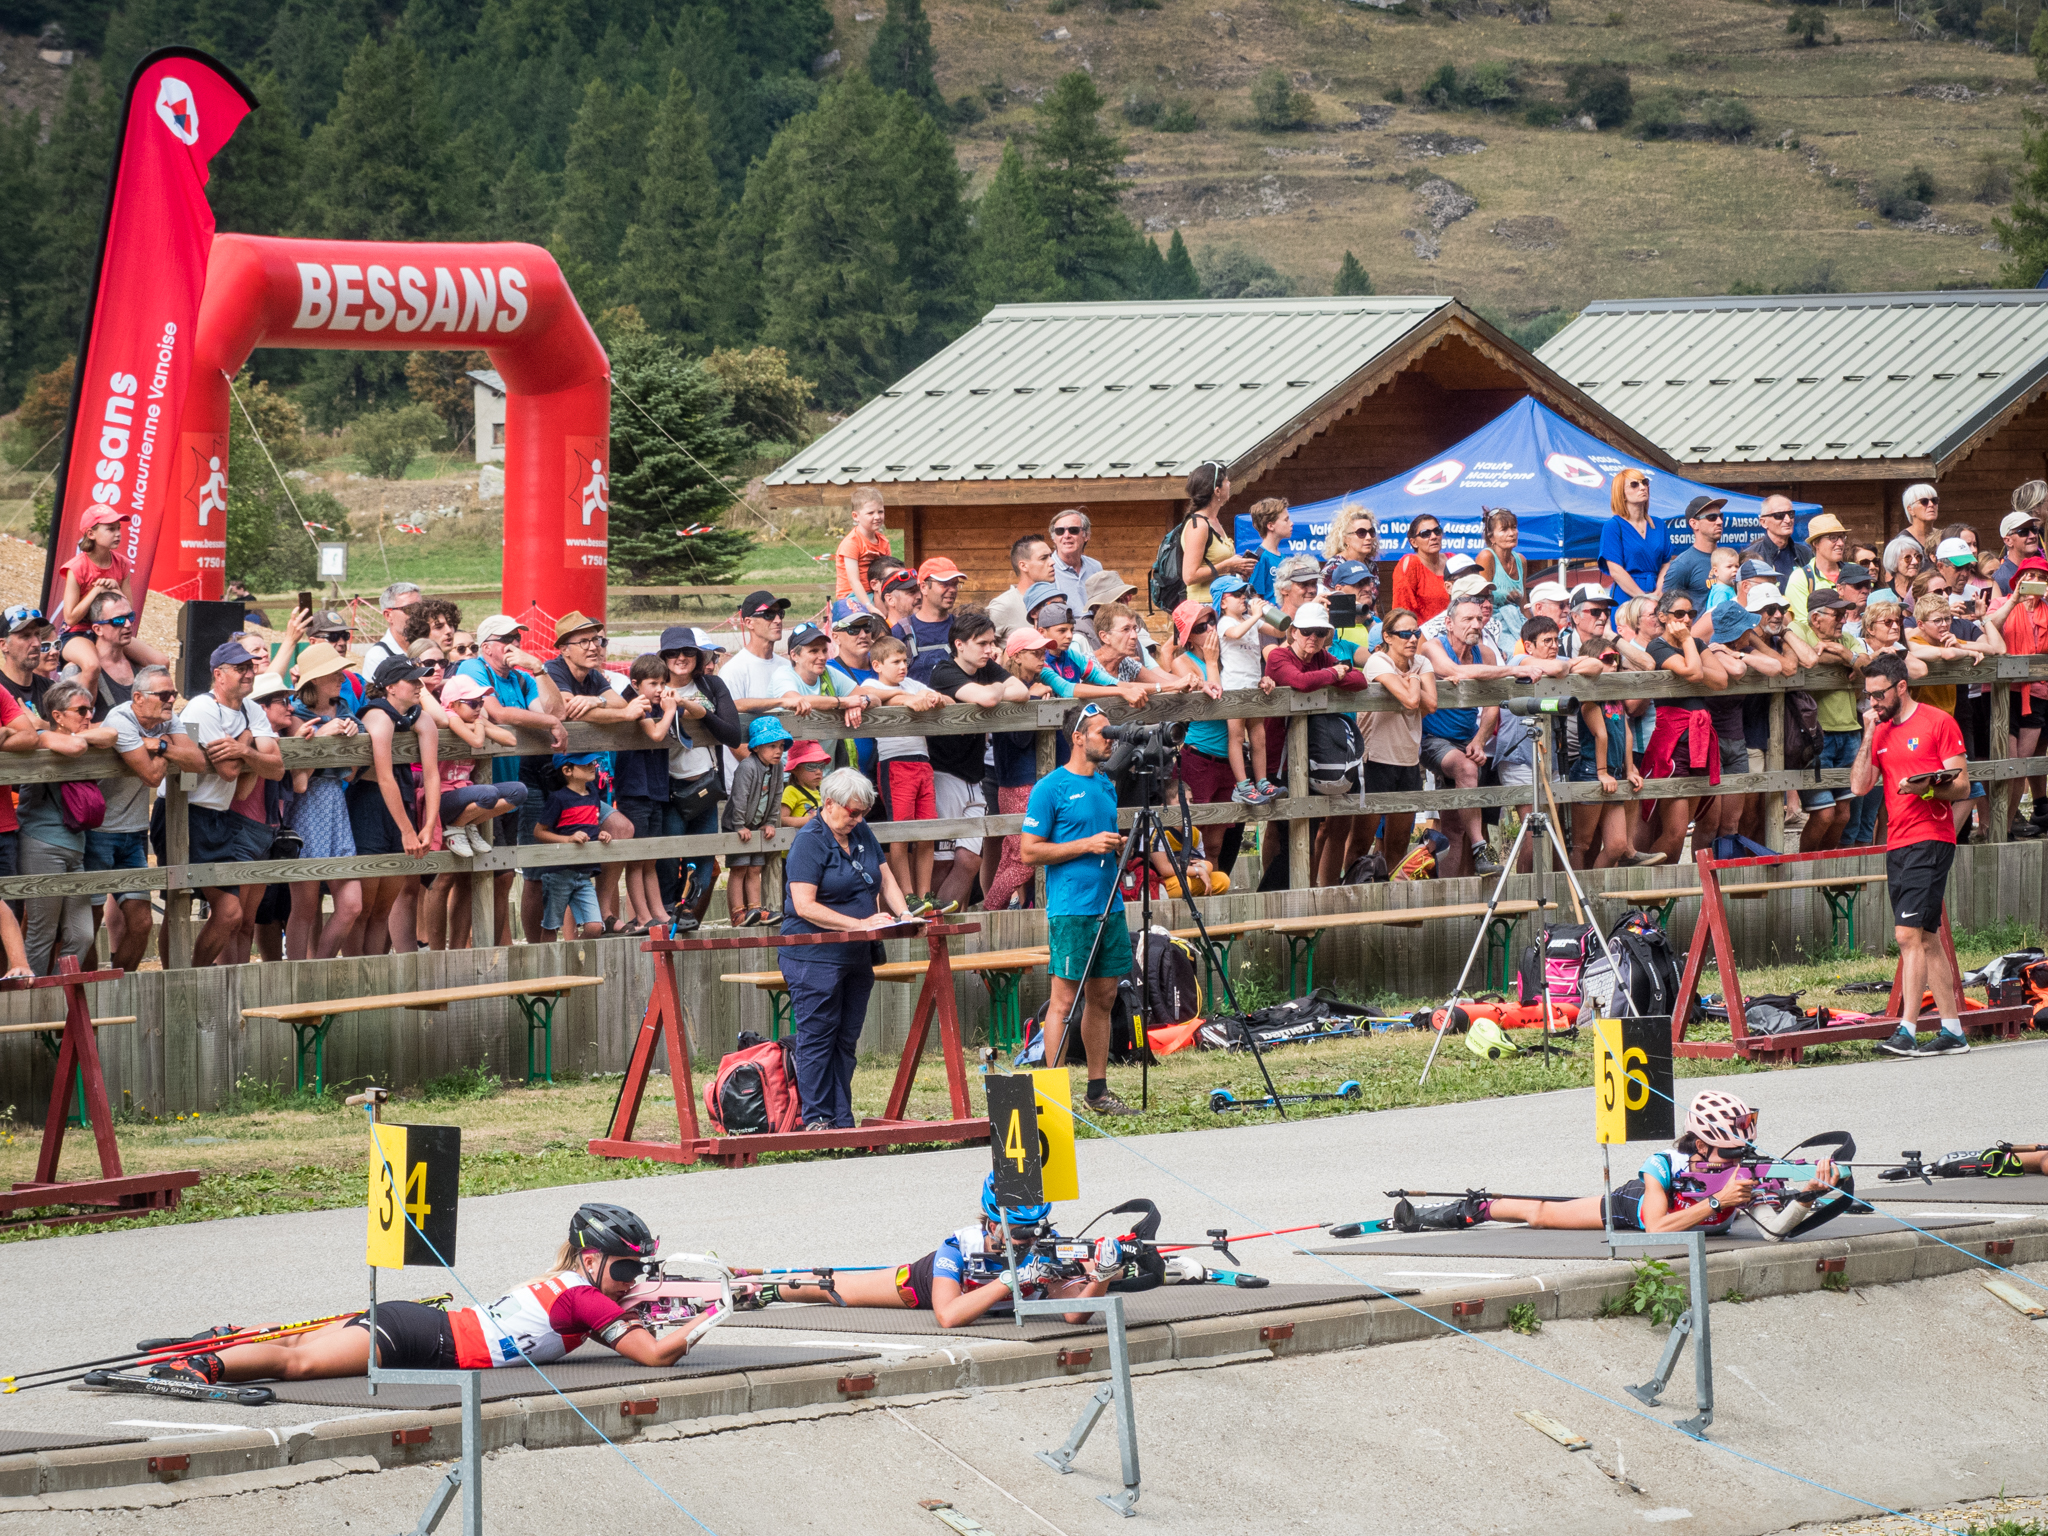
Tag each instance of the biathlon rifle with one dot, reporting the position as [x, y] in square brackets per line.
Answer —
[1779, 1202]
[699, 1302]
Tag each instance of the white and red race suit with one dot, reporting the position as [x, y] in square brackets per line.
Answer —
[538, 1322]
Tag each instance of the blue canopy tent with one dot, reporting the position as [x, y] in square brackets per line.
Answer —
[1555, 478]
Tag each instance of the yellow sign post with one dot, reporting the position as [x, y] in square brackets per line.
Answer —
[415, 1173]
[1632, 1080]
[1054, 1092]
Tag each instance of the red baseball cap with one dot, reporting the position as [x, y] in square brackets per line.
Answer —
[96, 515]
[939, 568]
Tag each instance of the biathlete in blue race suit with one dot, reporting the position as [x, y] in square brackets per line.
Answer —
[966, 1278]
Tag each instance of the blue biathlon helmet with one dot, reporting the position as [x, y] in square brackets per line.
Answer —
[1017, 1215]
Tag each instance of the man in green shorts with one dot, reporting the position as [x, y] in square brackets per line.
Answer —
[1070, 830]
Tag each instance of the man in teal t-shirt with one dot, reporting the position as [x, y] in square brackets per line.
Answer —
[1070, 831]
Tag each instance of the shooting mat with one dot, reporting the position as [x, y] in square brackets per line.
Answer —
[1505, 1240]
[18, 1442]
[1167, 1304]
[714, 1359]
[2027, 1189]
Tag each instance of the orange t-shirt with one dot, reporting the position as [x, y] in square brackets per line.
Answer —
[853, 560]
[81, 569]
[1419, 589]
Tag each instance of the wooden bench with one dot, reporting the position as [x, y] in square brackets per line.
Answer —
[536, 1000]
[1302, 933]
[1221, 937]
[1001, 971]
[50, 1033]
[1839, 891]
[1658, 899]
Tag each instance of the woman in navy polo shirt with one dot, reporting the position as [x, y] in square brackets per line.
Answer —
[835, 881]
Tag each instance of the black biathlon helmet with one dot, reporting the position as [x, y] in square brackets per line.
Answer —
[611, 1229]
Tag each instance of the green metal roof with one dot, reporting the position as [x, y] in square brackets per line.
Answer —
[1809, 379]
[1134, 390]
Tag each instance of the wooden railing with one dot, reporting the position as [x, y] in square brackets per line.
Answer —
[178, 877]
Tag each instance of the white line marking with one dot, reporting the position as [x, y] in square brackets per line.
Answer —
[1450, 1274]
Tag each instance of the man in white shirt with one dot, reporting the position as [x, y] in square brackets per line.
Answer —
[759, 680]
[1072, 565]
[222, 740]
[142, 735]
[1030, 562]
[397, 598]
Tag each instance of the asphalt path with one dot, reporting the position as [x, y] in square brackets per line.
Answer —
[93, 1293]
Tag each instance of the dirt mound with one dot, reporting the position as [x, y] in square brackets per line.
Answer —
[21, 578]
[1533, 232]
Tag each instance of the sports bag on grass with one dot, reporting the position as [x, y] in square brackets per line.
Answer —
[1556, 964]
[753, 1092]
[1173, 992]
[1646, 972]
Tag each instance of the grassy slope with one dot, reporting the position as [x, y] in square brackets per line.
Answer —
[1639, 219]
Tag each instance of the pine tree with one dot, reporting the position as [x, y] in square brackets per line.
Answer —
[19, 196]
[600, 189]
[255, 182]
[901, 57]
[667, 260]
[1147, 276]
[1073, 178]
[749, 235]
[667, 472]
[2024, 231]
[1352, 280]
[1013, 248]
[778, 36]
[71, 193]
[522, 203]
[1181, 280]
[308, 52]
[379, 168]
[923, 189]
[704, 50]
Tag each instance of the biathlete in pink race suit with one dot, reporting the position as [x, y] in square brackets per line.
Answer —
[538, 1322]
[1904, 739]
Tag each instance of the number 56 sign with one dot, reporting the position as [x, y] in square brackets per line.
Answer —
[415, 1171]
[1632, 1080]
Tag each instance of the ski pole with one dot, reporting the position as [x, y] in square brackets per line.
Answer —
[162, 1353]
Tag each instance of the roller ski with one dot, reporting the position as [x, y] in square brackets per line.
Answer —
[192, 1379]
[1222, 1101]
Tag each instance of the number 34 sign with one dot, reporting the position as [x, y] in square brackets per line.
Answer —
[414, 1174]
[1632, 1080]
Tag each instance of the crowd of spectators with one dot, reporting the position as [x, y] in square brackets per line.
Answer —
[719, 755]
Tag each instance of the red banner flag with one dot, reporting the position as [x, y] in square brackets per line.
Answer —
[123, 438]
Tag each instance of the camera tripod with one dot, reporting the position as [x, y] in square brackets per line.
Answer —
[1147, 833]
[1543, 825]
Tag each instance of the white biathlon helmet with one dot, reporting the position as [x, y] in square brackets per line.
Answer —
[1718, 1119]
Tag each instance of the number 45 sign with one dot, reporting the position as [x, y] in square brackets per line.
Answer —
[1632, 1080]
[414, 1174]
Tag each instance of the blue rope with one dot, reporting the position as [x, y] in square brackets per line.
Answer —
[638, 1470]
[1508, 1354]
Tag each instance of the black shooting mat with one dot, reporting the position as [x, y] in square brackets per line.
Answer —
[20, 1442]
[716, 1358]
[2027, 1189]
[1507, 1240]
[1166, 1304]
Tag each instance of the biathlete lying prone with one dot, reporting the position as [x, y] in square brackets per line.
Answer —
[967, 1277]
[538, 1322]
[1705, 1179]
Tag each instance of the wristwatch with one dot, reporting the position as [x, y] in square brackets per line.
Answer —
[1714, 1204]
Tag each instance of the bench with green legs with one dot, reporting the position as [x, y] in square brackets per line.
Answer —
[1216, 956]
[1001, 971]
[1302, 934]
[51, 1035]
[536, 1000]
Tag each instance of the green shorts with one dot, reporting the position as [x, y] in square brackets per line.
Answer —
[1070, 940]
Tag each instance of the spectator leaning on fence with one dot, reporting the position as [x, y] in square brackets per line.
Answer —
[262, 801]
[969, 675]
[1419, 584]
[1335, 748]
[2020, 530]
[1634, 546]
[705, 723]
[1393, 738]
[1683, 744]
[929, 629]
[1206, 767]
[142, 735]
[588, 695]
[53, 839]
[1016, 768]
[1605, 755]
[906, 774]
[1841, 724]
[1455, 740]
[2025, 629]
[320, 811]
[1776, 546]
[754, 806]
[518, 696]
[221, 738]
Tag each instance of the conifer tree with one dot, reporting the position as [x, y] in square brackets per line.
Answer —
[1073, 178]
[522, 203]
[71, 192]
[667, 472]
[704, 50]
[379, 167]
[600, 189]
[1181, 280]
[254, 185]
[901, 57]
[1147, 279]
[1351, 279]
[1013, 248]
[2024, 230]
[667, 259]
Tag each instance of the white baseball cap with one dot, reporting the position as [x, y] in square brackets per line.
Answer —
[1312, 616]
[499, 626]
[1549, 592]
[1762, 597]
[1471, 586]
[1589, 592]
[2013, 522]
[1954, 552]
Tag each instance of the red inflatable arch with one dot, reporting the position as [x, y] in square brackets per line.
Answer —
[507, 300]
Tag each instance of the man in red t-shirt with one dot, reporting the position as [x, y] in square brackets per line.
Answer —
[1903, 742]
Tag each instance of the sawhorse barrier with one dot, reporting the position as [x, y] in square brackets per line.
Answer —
[665, 1026]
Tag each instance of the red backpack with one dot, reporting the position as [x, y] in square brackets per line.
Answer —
[754, 1090]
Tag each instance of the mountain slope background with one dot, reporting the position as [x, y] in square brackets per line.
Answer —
[1550, 217]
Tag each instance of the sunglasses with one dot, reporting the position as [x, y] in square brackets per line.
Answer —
[466, 650]
[1402, 634]
[163, 696]
[1777, 517]
[431, 666]
[1710, 517]
[118, 621]
[1427, 533]
[1061, 533]
[2031, 531]
[1679, 613]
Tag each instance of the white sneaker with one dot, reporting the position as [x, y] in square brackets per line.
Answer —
[458, 843]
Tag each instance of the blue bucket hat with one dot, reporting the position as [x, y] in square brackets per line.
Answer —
[579, 759]
[1731, 622]
[767, 731]
[1223, 586]
[1039, 592]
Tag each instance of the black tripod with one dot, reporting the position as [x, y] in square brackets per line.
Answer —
[1147, 834]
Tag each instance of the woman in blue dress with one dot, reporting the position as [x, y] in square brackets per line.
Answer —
[321, 815]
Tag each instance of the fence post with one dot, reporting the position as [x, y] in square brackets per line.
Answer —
[2000, 793]
[174, 945]
[1301, 874]
[483, 909]
[1774, 762]
[1048, 759]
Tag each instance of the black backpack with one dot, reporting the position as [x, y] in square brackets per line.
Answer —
[1172, 990]
[1167, 588]
[1646, 971]
[1802, 731]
